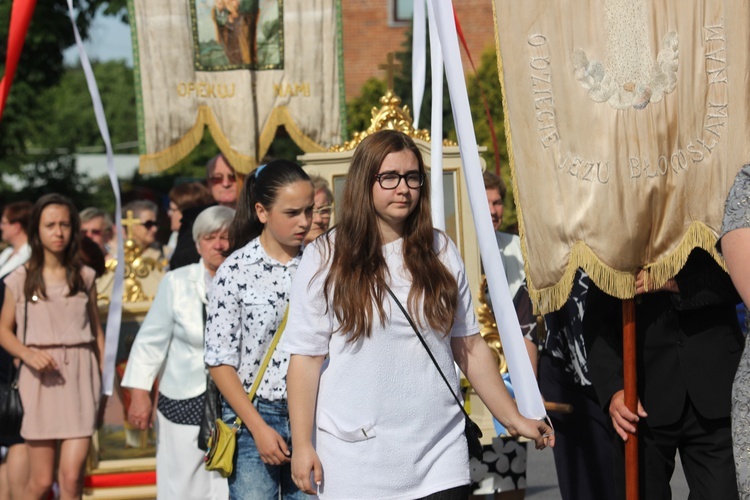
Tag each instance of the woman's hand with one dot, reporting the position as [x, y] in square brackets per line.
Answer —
[39, 360]
[139, 413]
[271, 446]
[304, 463]
[537, 430]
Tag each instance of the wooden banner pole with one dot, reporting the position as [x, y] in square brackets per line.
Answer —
[631, 396]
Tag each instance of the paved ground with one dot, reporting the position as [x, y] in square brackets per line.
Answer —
[542, 479]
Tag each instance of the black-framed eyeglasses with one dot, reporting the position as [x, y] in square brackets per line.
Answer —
[324, 211]
[149, 224]
[391, 180]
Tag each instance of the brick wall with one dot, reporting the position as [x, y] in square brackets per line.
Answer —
[368, 38]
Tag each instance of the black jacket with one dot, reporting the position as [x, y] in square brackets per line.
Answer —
[688, 343]
[185, 252]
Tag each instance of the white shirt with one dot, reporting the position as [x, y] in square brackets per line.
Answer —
[172, 336]
[9, 261]
[510, 253]
[250, 294]
[387, 426]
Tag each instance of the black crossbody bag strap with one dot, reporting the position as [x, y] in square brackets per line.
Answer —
[421, 339]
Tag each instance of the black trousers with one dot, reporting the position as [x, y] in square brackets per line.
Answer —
[583, 439]
[705, 447]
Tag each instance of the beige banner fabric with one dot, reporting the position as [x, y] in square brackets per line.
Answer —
[627, 121]
[241, 68]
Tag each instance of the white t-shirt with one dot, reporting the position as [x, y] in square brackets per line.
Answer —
[386, 425]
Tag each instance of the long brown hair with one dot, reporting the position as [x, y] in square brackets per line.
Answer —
[71, 261]
[357, 277]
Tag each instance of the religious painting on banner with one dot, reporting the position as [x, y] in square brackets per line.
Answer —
[627, 121]
[242, 68]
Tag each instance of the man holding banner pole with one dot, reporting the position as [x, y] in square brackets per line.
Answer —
[688, 348]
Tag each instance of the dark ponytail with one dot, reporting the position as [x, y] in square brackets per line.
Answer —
[261, 186]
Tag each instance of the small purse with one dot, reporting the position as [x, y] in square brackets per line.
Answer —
[222, 442]
[471, 429]
[211, 413]
[211, 407]
[11, 409]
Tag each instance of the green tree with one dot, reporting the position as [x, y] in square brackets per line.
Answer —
[359, 109]
[488, 81]
[40, 67]
[72, 123]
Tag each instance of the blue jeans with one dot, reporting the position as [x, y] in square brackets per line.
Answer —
[252, 479]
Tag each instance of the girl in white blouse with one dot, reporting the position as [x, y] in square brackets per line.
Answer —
[386, 425]
[247, 304]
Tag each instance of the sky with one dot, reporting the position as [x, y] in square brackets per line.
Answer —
[109, 39]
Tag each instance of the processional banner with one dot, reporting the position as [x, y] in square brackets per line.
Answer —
[627, 121]
[240, 67]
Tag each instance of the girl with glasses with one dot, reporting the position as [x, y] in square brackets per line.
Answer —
[383, 421]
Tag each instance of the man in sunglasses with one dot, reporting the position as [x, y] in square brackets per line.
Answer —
[222, 182]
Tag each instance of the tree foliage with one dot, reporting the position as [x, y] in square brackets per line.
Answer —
[40, 68]
[488, 81]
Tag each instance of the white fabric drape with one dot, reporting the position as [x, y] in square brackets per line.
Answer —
[114, 318]
[528, 397]
[436, 128]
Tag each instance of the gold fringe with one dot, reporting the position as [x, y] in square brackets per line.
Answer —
[281, 116]
[613, 282]
[161, 161]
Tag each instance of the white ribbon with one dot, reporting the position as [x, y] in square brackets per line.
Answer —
[436, 130]
[114, 318]
[528, 397]
[418, 57]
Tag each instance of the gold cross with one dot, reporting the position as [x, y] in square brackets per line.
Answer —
[390, 68]
[128, 222]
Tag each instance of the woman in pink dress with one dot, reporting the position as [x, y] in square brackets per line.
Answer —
[60, 347]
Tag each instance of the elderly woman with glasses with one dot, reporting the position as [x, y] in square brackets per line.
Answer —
[172, 336]
[322, 210]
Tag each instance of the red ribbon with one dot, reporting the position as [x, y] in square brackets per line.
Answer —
[20, 18]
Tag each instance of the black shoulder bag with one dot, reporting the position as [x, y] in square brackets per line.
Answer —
[211, 406]
[472, 430]
[11, 409]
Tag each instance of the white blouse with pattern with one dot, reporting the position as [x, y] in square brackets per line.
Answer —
[249, 296]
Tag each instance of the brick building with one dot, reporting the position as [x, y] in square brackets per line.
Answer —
[373, 28]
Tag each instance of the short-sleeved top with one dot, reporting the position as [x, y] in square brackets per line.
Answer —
[384, 385]
[58, 320]
[737, 208]
[248, 299]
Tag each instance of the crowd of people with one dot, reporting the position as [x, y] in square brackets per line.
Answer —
[352, 404]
